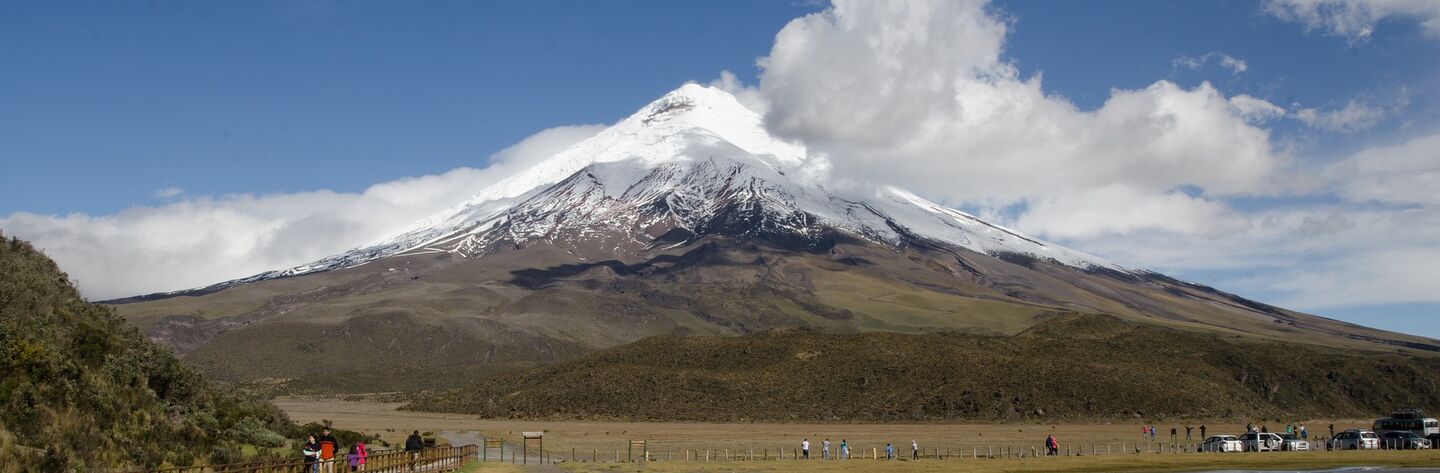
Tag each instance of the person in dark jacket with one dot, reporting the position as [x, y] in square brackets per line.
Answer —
[414, 445]
[311, 451]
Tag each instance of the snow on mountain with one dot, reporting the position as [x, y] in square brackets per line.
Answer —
[695, 162]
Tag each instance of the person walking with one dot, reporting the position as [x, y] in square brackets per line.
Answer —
[1332, 431]
[413, 445]
[914, 450]
[1202, 431]
[1144, 431]
[361, 452]
[844, 450]
[1174, 437]
[1052, 446]
[889, 451]
[311, 452]
[1304, 432]
[825, 449]
[1188, 429]
[328, 448]
[805, 449]
[353, 459]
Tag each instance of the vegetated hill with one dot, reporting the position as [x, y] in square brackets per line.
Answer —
[1068, 367]
[81, 390]
[686, 218]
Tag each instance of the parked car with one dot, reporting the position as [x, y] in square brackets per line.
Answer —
[1222, 443]
[1403, 441]
[1293, 443]
[1355, 439]
[1261, 442]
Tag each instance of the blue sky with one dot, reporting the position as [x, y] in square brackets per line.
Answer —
[112, 109]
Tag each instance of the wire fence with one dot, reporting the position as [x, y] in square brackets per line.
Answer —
[644, 451]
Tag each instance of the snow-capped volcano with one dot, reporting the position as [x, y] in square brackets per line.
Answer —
[691, 163]
[685, 218]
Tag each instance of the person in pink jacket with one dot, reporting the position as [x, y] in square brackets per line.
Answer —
[360, 454]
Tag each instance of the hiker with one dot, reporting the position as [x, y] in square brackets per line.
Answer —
[1304, 432]
[889, 451]
[361, 453]
[1332, 431]
[1153, 431]
[413, 446]
[311, 451]
[353, 459]
[1202, 431]
[328, 448]
[825, 450]
[844, 450]
[1187, 432]
[805, 449]
[1144, 431]
[1052, 446]
[914, 450]
[1265, 429]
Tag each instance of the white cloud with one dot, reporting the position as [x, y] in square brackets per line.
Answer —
[1314, 256]
[1355, 19]
[1231, 63]
[1407, 173]
[203, 240]
[1121, 210]
[169, 192]
[917, 94]
[1255, 110]
[1355, 116]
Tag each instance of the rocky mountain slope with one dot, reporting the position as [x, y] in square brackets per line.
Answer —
[685, 218]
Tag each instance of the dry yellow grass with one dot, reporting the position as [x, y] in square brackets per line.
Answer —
[1117, 463]
[603, 439]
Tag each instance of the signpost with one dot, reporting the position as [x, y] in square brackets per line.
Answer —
[495, 443]
[539, 438]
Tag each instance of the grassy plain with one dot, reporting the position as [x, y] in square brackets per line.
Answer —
[1125, 463]
[603, 439]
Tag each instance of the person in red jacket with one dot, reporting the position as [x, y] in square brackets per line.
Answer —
[1052, 446]
[328, 448]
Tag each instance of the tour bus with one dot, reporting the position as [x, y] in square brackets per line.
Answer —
[1408, 421]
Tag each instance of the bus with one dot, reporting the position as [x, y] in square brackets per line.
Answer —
[1408, 421]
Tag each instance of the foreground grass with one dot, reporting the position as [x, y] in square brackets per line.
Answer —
[1116, 463]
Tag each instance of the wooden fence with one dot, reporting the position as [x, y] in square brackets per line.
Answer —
[430, 460]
